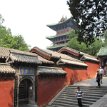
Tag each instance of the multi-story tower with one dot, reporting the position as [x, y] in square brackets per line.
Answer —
[62, 29]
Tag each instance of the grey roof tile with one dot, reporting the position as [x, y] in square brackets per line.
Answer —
[50, 70]
[18, 57]
[6, 68]
[4, 52]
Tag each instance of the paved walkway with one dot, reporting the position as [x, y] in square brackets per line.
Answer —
[92, 82]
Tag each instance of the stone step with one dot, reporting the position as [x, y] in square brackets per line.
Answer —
[74, 98]
[67, 97]
[67, 105]
[91, 94]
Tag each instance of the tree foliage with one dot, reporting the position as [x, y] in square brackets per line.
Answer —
[9, 41]
[92, 49]
[1, 19]
[91, 17]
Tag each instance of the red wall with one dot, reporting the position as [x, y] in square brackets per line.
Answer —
[6, 93]
[92, 69]
[48, 87]
[75, 75]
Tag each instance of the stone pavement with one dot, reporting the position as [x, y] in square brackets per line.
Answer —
[92, 82]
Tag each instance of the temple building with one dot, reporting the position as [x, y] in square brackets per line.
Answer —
[17, 77]
[63, 28]
[36, 77]
[60, 69]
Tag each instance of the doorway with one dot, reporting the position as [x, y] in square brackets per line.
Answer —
[25, 91]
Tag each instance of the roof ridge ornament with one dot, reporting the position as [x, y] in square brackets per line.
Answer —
[63, 19]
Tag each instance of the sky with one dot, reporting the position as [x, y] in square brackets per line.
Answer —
[30, 18]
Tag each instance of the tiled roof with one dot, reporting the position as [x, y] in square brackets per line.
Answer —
[43, 60]
[57, 46]
[69, 49]
[84, 55]
[58, 35]
[88, 57]
[102, 52]
[50, 70]
[66, 59]
[22, 52]
[4, 52]
[40, 52]
[53, 53]
[70, 20]
[20, 56]
[6, 68]
[59, 56]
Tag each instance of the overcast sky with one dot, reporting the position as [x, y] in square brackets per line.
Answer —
[31, 17]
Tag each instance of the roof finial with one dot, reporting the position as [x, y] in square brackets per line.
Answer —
[63, 19]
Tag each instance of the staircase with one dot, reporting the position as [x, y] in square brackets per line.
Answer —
[67, 97]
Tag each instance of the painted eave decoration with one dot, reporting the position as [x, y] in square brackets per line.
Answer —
[50, 70]
[6, 68]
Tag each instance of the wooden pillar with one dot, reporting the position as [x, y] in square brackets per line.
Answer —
[32, 92]
[16, 103]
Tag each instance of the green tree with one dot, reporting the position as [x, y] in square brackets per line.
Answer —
[1, 20]
[21, 45]
[91, 49]
[91, 18]
[9, 41]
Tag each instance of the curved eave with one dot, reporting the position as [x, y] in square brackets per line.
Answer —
[51, 38]
[45, 61]
[64, 61]
[89, 59]
[53, 27]
[50, 71]
[24, 58]
[41, 52]
[69, 50]
[56, 46]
